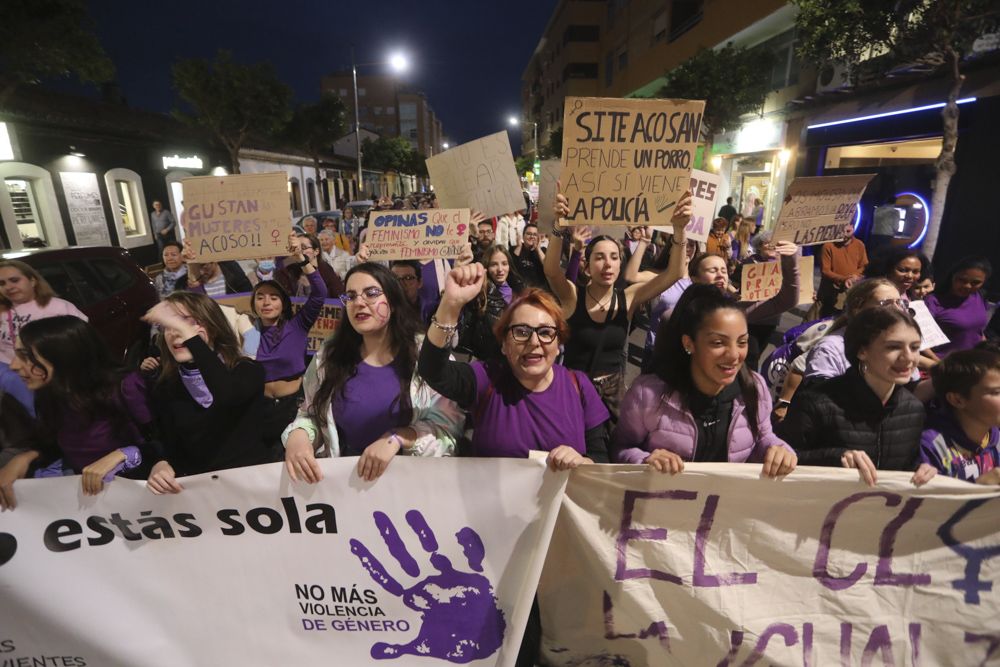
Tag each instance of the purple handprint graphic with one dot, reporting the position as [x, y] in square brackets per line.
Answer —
[460, 619]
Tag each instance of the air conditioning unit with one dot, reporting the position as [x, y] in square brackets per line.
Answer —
[833, 77]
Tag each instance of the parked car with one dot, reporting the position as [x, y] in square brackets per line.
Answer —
[107, 285]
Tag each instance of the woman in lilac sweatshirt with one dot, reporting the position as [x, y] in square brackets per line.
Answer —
[702, 403]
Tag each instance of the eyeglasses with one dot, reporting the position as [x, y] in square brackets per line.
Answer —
[521, 333]
[369, 294]
[899, 303]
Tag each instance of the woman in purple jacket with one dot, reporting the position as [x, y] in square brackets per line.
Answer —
[702, 403]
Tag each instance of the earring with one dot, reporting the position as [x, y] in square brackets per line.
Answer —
[863, 367]
[688, 350]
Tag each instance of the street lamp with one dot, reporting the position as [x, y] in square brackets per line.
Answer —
[398, 63]
[445, 145]
[515, 121]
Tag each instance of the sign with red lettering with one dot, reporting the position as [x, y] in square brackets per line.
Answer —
[627, 161]
[759, 281]
[816, 208]
[437, 233]
[246, 216]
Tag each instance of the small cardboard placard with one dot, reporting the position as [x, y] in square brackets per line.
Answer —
[627, 161]
[816, 208]
[324, 327]
[245, 216]
[437, 233]
[759, 281]
[930, 333]
[547, 188]
[704, 192]
[479, 175]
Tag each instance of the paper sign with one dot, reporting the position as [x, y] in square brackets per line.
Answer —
[438, 233]
[627, 161]
[761, 281]
[705, 192]
[324, 326]
[816, 208]
[245, 216]
[930, 332]
[86, 208]
[479, 175]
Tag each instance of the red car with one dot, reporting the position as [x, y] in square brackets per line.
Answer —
[107, 285]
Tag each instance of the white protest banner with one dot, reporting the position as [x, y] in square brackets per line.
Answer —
[479, 175]
[716, 566]
[627, 161]
[434, 563]
[438, 233]
[704, 193]
[816, 208]
[245, 216]
[930, 333]
[759, 281]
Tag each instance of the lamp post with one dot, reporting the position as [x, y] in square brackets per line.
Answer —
[515, 121]
[398, 63]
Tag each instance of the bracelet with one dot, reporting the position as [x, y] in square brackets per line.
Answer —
[674, 240]
[393, 436]
[448, 329]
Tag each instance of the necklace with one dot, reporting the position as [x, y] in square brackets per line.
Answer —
[599, 304]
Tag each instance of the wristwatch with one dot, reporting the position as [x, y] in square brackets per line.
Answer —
[782, 403]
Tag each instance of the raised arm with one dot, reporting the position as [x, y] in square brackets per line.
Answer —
[640, 293]
[788, 296]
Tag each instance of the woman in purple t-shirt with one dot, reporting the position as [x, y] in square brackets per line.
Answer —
[522, 402]
[958, 305]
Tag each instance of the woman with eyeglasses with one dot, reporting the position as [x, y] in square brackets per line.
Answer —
[363, 396]
[958, 306]
[208, 399]
[282, 339]
[702, 402]
[865, 419]
[600, 317]
[523, 401]
[293, 277]
[92, 415]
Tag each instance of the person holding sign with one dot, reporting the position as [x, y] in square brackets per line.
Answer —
[481, 315]
[600, 319]
[702, 403]
[92, 414]
[866, 418]
[363, 396]
[283, 338]
[209, 398]
[293, 276]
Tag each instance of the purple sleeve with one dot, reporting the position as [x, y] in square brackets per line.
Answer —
[933, 305]
[573, 266]
[310, 310]
[824, 361]
[786, 298]
[595, 412]
[929, 452]
[765, 436]
[631, 432]
[136, 399]
[197, 289]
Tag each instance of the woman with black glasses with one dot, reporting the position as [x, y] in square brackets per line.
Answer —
[523, 401]
[362, 395]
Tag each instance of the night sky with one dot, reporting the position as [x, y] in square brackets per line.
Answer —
[466, 55]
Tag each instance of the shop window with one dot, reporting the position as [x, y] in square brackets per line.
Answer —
[295, 195]
[311, 194]
[128, 204]
[29, 208]
[175, 190]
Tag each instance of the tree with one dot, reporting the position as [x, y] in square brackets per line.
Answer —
[387, 154]
[553, 147]
[417, 164]
[883, 36]
[523, 164]
[314, 127]
[45, 39]
[733, 81]
[234, 101]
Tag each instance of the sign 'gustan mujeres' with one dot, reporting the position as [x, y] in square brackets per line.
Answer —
[627, 161]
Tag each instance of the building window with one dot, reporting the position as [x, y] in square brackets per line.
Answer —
[581, 33]
[311, 194]
[128, 207]
[390, 111]
[580, 71]
[660, 27]
[361, 92]
[785, 70]
[623, 59]
[378, 111]
[343, 92]
[29, 208]
[609, 68]
[684, 15]
[26, 215]
[295, 196]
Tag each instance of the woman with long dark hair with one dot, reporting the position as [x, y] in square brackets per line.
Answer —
[479, 316]
[362, 394]
[958, 306]
[702, 403]
[92, 414]
[209, 398]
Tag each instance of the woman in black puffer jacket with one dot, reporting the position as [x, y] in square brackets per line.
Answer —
[866, 418]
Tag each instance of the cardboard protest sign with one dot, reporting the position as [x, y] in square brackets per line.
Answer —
[438, 233]
[817, 207]
[245, 216]
[324, 326]
[759, 281]
[479, 175]
[704, 191]
[627, 161]
[930, 332]
[547, 186]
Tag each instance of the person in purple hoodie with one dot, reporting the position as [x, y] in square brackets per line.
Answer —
[702, 403]
[958, 306]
